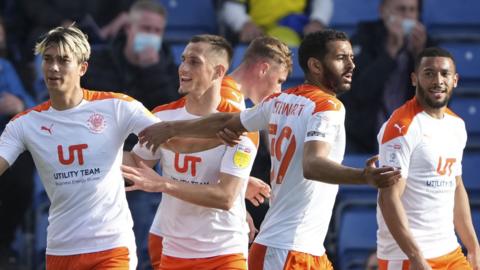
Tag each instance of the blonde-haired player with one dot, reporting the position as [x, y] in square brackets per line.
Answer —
[76, 140]
[419, 215]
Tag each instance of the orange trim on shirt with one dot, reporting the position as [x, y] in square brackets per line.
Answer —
[450, 112]
[324, 100]
[39, 108]
[180, 103]
[225, 106]
[230, 90]
[88, 95]
[91, 95]
[401, 119]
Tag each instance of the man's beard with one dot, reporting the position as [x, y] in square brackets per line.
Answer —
[332, 81]
[422, 93]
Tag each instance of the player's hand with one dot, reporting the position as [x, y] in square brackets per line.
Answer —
[474, 259]
[417, 39]
[419, 264]
[143, 178]
[229, 137]
[395, 35]
[257, 191]
[380, 177]
[154, 135]
[251, 226]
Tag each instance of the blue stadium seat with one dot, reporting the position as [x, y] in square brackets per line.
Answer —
[187, 18]
[446, 19]
[296, 77]
[468, 108]
[354, 192]
[476, 219]
[467, 58]
[471, 180]
[347, 13]
[356, 236]
[238, 53]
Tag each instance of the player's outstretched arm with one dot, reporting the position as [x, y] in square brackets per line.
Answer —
[191, 145]
[205, 127]
[462, 219]
[396, 220]
[221, 195]
[317, 166]
[3, 165]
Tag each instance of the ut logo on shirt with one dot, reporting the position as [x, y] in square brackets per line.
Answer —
[72, 149]
[188, 161]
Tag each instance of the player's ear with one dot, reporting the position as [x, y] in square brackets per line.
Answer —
[83, 68]
[413, 78]
[314, 66]
[219, 71]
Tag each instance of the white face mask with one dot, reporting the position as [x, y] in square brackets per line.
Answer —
[143, 40]
[407, 25]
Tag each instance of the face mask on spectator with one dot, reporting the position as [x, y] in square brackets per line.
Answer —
[143, 40]
[407, 25]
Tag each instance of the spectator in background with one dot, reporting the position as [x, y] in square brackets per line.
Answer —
[139, 63]
[16, 184]
[384, 53]
[288, 22]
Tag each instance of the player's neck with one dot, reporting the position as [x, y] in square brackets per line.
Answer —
[241, 77]
[319, 84]
[437, 113]
[204, 103]
[66, 100]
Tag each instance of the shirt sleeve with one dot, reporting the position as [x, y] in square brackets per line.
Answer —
[395, 153]
[324, 126]
[256, 118]
[134, 117]
[145, 153]
[238, 160]
[11, 143]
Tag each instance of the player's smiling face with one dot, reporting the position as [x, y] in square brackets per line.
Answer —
[195, 71]
[435, 79]
[61, 71]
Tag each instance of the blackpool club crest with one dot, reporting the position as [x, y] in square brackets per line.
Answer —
[96, 123]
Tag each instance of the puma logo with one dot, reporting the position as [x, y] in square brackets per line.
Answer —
[49, 129]
[334, 104]
[397, 126]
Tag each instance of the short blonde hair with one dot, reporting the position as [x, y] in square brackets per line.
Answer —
[269, 48]
[68, 39]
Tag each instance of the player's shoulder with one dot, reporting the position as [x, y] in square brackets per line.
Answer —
[401, 120]
[39, 108]
[93, 95]
[226, 106]
[320, 99]
[178, 104]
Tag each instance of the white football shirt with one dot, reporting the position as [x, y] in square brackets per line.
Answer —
[429, 153]
[78, 153]
[300, 209]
